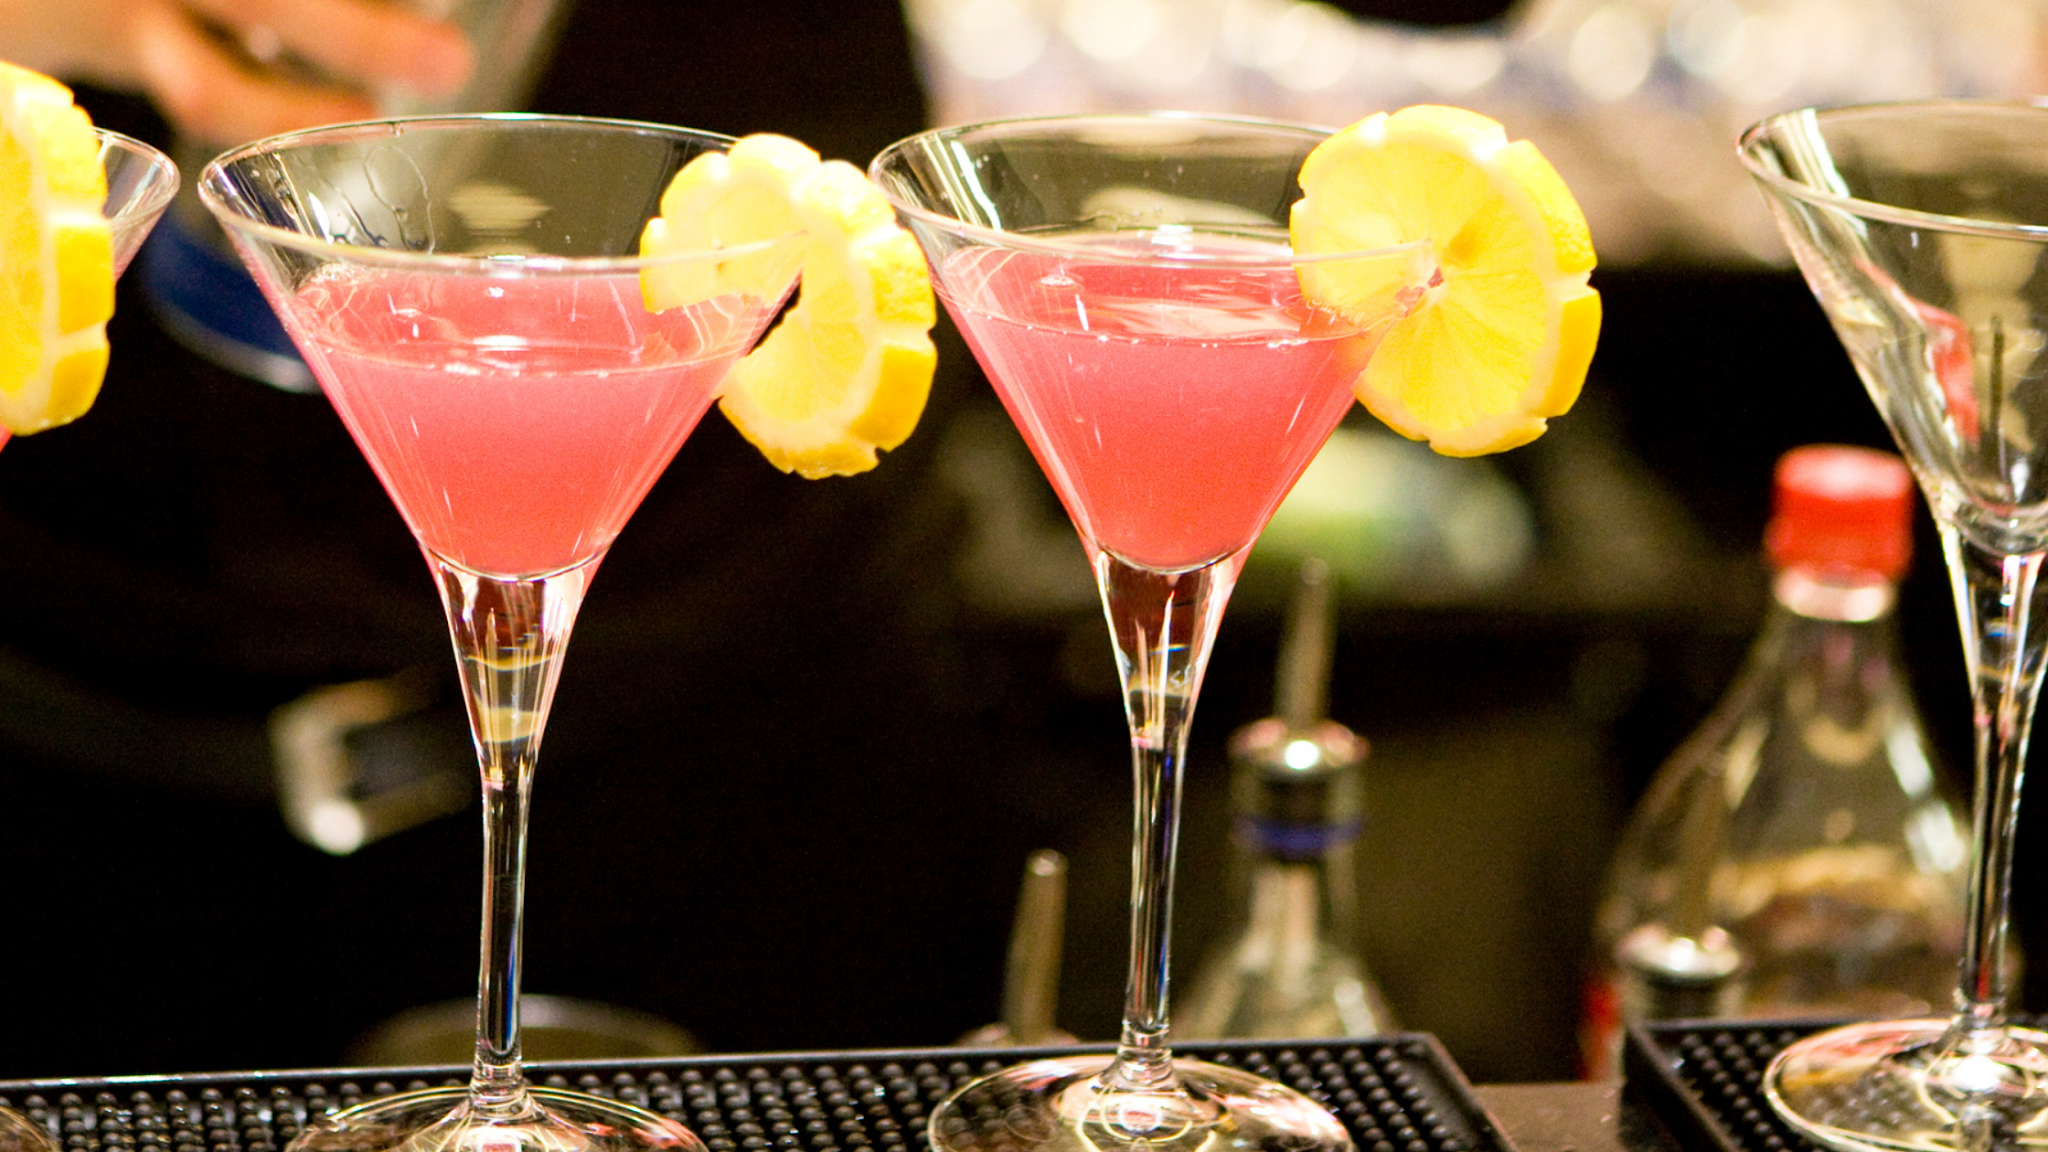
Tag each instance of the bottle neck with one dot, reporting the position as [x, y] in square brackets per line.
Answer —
[1301, 906]
[1297, 836]
[1280, 840]
[1831, 641]
[1858, 599]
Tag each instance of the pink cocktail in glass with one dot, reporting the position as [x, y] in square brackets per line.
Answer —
[1128, 286]
[467, 292]
[1172, 409]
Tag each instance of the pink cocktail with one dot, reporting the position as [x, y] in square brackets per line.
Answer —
[516, 424]
[1171, 408]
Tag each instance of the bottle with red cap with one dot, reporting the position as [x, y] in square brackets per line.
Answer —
[1800, 853]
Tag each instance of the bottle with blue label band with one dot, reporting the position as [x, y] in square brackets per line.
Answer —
[1289, 965]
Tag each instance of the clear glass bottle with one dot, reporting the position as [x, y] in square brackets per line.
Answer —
[1799, 854]
[1289, 966]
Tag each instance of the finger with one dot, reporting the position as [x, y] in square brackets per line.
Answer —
[210, 96]
[362, 42]
[83, 40]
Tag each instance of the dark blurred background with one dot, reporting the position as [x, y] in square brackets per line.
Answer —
[803, 747]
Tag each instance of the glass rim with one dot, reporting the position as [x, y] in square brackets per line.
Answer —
[1025, 241]
[1877, 210]
[509, 264]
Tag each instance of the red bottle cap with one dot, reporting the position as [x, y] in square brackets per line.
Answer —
[1849, 510]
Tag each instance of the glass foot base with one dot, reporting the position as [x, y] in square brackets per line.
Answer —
[441, 1120]
[1058, 1105]
[20, 1134]
[1915, 1086]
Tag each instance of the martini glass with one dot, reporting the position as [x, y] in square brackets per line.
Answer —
[467, 291]
[141, 182]
[1921, 228]
[1126, 283]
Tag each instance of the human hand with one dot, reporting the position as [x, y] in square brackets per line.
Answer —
[225, 71]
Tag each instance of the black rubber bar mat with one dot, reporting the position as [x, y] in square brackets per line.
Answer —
[1704, 1080]
[1397, 1093]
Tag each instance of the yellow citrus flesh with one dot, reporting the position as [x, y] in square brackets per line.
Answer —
[846, 372]
[56, 255]
[1504, 329]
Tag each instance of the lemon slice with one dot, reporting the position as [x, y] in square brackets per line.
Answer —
[1504, 330]
[56, 255]
[846, 372]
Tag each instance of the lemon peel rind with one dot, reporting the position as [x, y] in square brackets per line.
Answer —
[64, 293]
[884, 396]
[1474, 419]
[845, 374]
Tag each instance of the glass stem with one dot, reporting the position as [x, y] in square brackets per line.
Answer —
[1162, 628]
[509, 638]
[1994, 601]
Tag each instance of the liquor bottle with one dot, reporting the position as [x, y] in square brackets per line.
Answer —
[1798, 855]
[1289, 965]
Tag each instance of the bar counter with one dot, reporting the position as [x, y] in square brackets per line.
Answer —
[1575, 1116]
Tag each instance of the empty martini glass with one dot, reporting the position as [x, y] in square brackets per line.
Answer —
[1127, 285]
[141, 182]
[467, 291]
[1921, 228]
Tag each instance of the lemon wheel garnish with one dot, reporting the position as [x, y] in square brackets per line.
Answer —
[846, 371]
[56, 255]
[1504, 329]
